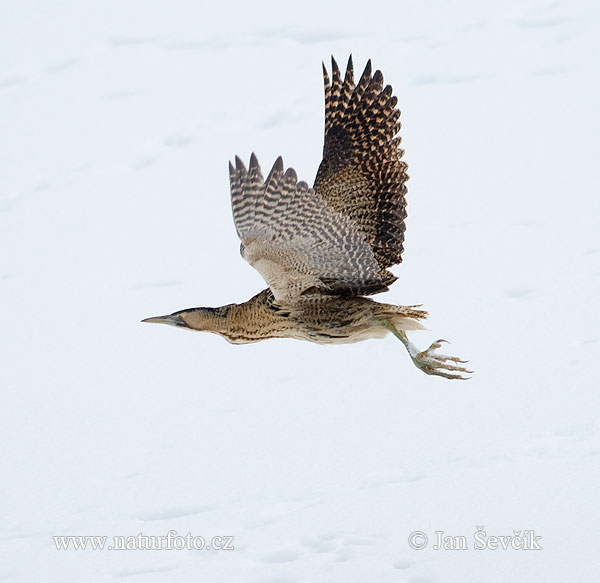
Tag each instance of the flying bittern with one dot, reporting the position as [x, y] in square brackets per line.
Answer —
[322, 249]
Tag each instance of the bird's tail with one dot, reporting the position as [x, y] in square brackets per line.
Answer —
[405, 317]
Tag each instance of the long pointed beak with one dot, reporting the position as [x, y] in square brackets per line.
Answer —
[172, 320]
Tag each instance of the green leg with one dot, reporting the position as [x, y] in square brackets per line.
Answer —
[400, 334]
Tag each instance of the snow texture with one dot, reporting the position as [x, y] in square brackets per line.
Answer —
[117, 122]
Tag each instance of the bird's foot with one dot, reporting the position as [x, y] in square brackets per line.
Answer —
[429, 361]
[434, 363]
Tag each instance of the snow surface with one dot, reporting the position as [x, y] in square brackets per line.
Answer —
[117, 120]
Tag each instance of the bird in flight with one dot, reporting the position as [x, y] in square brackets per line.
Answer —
[321, 250]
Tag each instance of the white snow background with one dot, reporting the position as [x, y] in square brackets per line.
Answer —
[117, 120]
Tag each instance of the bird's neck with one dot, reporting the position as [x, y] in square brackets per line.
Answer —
[251, 321]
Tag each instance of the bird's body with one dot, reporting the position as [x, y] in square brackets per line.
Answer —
[322, 249]
[318, 318]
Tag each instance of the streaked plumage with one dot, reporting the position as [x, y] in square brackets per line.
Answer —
[322, 249]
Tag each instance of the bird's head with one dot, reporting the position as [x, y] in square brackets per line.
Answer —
[193, 319]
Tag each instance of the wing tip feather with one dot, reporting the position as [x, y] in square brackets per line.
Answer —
[239, 165]
[290, 175]
[334, 66]
[276, 170]
[325, 76]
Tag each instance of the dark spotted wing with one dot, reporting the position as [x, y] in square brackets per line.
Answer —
[362, 175]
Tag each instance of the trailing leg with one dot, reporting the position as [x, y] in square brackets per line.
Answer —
[429, 361]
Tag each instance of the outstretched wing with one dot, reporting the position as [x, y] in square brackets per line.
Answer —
[362, 175]
[295, 240]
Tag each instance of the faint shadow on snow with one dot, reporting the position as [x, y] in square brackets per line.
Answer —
[281, 556]
[276, 580]
[342, 548]
[12, 81]
[170, 143]
[553, 71]
[391, 480]
[123, 94]
[268, 37]
[402, 565]
[326, 543]
[124, 573]
[273, 120]
[518, 293]
[177, 512]
[132, 41]
[144, 162]
[11, 201]
[179, 140]
[63, 65]
[542, 22]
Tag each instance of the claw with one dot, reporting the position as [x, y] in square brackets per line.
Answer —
[433, 363]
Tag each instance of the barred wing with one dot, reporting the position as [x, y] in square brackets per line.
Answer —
[362, 175]
[294, 239]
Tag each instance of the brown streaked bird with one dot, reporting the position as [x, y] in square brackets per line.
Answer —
[321, 250]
